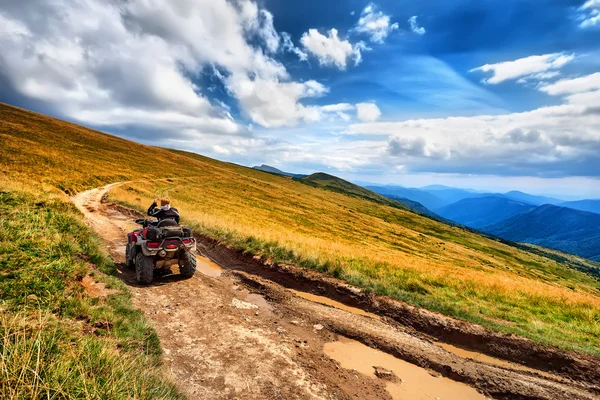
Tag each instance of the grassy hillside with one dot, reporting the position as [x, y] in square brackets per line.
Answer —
[369, 241]
[556, 227]
[56, 340]
[339, 185]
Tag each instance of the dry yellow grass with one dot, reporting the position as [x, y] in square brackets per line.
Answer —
[385, 249]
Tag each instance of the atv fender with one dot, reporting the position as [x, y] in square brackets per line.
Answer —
[147, 251]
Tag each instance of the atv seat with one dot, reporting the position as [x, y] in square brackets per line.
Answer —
[167, 222]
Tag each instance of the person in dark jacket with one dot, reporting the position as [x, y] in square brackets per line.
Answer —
[165, 211]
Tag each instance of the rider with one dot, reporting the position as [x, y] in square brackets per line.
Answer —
[165, 211]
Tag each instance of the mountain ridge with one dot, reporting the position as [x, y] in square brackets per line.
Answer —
[478, 212]
[561, 228]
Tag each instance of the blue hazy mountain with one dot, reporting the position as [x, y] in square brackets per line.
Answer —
[273, 170]
[477, 212]
[430, 201]
[452, 195]
[584, 205]
[529, 198]
[561, 228]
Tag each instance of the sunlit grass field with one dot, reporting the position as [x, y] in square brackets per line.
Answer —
[383, 248]
[56, 341]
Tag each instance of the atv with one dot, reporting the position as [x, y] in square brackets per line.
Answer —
[158, 246]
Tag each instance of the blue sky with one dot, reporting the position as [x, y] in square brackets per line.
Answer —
[488, 94]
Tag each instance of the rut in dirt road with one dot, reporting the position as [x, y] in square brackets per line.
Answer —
[222, 339]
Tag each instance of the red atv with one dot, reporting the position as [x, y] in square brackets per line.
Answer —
[158, 247]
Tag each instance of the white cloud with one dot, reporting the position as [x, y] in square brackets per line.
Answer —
[330, 50]
[259, 23]
[590, 14]
[375, 23]
[136, 62]
[549, 141]
[367, 112]
[275, 104]
[576, 85]
[357, 51]
[288, 45]
[524, 67]
[338, 107]
[414, 26]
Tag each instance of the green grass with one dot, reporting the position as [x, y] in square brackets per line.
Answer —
[499, 286]
[326, 224]
[55, 340]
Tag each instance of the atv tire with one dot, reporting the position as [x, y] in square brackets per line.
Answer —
[130, 254]
[187, 266]
[144, 269]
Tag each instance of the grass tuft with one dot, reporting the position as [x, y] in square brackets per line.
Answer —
[55, 340]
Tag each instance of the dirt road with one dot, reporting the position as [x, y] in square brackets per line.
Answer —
[237, 331]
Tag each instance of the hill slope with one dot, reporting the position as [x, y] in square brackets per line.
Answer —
[333, 183]
[556, 227]
[584, 205]
[273, 170]
[378, 246]
[481, 211]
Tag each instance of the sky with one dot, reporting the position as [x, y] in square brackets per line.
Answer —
[492, 95]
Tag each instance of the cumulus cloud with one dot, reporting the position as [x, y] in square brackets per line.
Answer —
[558, 140]
[414, 26]
[137, 62]
[367, 112]
[375, 24]
[275, 104]
[330, 50]
[590, 14]
[288, 45]
[526, 67]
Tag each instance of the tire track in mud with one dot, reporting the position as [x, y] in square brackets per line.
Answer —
[219, 344]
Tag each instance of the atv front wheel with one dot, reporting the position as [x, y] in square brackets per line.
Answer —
[130, 255]
[144, 269]
[187, 265]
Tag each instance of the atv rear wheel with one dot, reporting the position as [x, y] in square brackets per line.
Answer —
[187, 265]
[130, 255]
[144, 269]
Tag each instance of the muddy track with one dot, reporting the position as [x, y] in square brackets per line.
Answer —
[223, 340]
[427, 324]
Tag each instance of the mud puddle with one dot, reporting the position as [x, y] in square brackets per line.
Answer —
[335, 304]
[484, 358]
[410, 382]
[257, 300]
[207, 267]
[261, 302]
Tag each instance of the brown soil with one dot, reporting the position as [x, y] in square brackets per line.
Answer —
[222, 340]
[95, 289]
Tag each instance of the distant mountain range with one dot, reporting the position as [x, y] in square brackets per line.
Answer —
[482, 211]
[339, 185]
[531, 199]
[572, 226]
[273, 170]
[562, 228]
[584, 205]
[429, 200]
